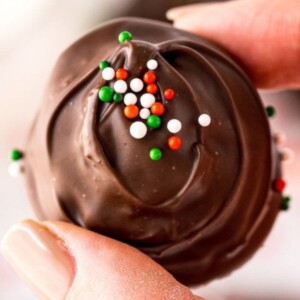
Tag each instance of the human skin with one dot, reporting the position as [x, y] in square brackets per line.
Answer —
[62, 261]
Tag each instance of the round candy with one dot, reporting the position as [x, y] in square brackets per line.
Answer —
[152, 64]
[147, 100]
[152, 88]
[108, 73]
[279, 184]
[149, 77]
[169, 94]
[144, 113]
[130, 98]
[131, 111]
[204, 120]
[155, 154]
[138, 130]
[117, 98]
[136, 85]
[15, 168]
[120, 86]
[125, 36]
[270, 111]
[174, 126]
[174, 142]
[103, 64]
[106, 94]
[157, 109]
[153, 121]
[121, 74]
[16, 154]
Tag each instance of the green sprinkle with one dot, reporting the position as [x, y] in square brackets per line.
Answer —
[103, 64]
[106, 94]
[155, 154]
[153, 121]
[118, 97]
[270, 111]
[125, 36]
[285, 203]
[16, 154]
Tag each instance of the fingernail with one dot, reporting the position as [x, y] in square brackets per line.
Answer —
[40, 258]
[174, 13]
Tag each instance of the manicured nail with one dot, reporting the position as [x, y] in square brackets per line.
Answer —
[40, 258]
[176, 12]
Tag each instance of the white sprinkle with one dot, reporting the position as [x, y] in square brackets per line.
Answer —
[120, 86]
[15, 168]
[138, 130]
[130, 98]
[174, 126]
[136, 85]
[204, 120]
[152, 64]
[108, 73]
[144, 113]
[147, 100]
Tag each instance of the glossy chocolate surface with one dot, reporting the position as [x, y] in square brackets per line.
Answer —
[200, 211]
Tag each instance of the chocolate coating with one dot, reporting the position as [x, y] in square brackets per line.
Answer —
[200, 211]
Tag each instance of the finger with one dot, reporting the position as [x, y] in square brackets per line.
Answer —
[264, 36]
[62, 261]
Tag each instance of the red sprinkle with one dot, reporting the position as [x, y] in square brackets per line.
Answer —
[157, 109]
[169, 94]
[152, 88]
[149, 77]
[121, 74]
[131, 111]
[279, 184]
[174, 142]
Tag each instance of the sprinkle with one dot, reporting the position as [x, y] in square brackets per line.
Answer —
[174, 142]
[153, 121]
[270, 111]
[117, 98]
[108, 73]
[279, 185]
[106, 94]
[131, 111]
[155, 154]
[138, 130]
[15, 168]
[169, 94]
[285, 203]
[149, 77]
[152, 88]
[103, 64]
[157, 109]
[130, 98]
[16, 154]
[120, 86]
[125, 36]
[147, 100]
[280, 138]
[144, 113]
[136, 85]
[204, 120]
[174, 126]
[152, 64]
[121, 74]
[287, 155]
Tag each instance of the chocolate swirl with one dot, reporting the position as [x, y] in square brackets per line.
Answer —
[200, 211]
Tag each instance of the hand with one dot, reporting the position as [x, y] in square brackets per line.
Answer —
[263, 35]
[63, 261]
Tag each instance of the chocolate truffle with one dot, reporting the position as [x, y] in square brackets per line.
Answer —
[191, 185]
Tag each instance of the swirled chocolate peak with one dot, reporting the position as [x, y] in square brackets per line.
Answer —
[201, 210]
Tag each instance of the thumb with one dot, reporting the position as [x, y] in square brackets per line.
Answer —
[62, 261]
[263, 35]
